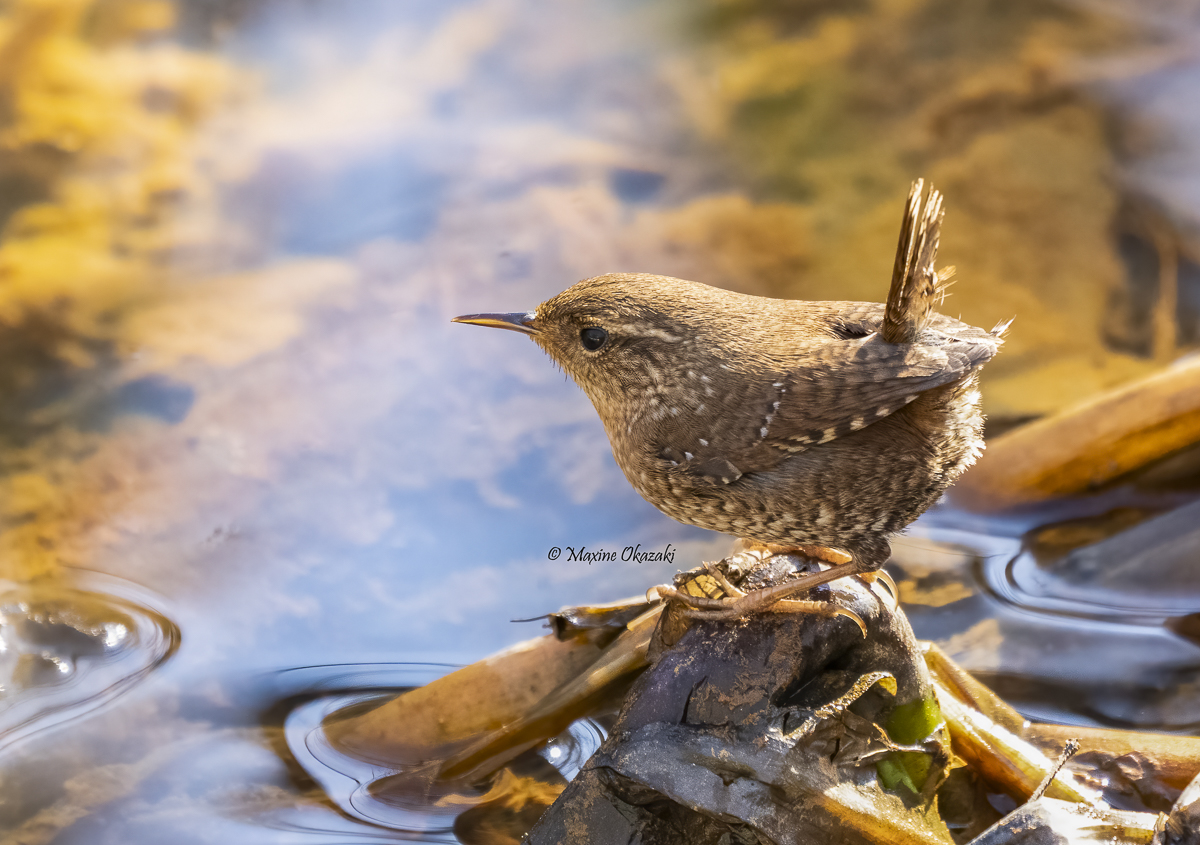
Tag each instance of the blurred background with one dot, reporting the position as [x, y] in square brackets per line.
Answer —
[245, 459]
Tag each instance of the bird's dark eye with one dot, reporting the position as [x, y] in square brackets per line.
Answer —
[593, 338]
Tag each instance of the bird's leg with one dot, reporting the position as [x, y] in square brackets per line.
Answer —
[834, 557]
[737, 603]
[728, 590]
[744, 603]
[765, 597]
[727, 587]
[780, 605]
[741, 604]
[825, 554]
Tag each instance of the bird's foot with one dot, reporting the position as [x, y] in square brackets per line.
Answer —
[836, 558]
[735, 603]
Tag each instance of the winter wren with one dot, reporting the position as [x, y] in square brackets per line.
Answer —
[802, 424]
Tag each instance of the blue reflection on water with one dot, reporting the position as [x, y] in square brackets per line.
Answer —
[383, 195]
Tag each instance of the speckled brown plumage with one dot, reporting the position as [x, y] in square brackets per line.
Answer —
[787, 422]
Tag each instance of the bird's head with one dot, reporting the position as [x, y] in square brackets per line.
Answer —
[615, 335]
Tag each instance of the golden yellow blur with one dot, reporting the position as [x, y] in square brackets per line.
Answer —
[96, 117]
[113, 218]
[835, 109]
[106, 126]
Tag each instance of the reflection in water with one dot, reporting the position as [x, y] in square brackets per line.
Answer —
[409, 798]
[1094, 656]
[228, 374]
[67, 649]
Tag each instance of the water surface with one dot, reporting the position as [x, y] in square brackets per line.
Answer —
[253, 473]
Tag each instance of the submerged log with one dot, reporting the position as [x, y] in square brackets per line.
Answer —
[1089, 445]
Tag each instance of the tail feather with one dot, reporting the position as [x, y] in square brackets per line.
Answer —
[915, 283]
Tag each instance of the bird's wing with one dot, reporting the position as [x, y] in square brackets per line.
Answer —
[835, 390]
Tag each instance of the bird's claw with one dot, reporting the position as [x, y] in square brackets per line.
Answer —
[737, 603]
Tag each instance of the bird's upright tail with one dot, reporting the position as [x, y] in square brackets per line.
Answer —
[915, 284]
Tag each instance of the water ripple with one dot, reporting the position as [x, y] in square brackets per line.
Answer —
[69, 647]
[406, 799]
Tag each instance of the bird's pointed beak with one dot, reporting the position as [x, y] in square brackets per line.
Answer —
[513, 322]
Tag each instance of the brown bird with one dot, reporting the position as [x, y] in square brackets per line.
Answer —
[824, 427]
